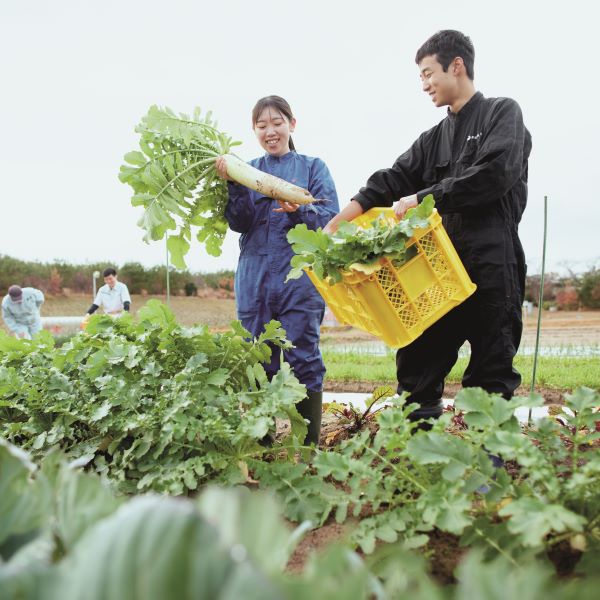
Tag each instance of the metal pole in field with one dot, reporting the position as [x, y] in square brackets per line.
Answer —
[168, 275]
[540, 302]
[94, 277]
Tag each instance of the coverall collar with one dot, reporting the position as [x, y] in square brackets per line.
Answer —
[467, 108]
[279, 159]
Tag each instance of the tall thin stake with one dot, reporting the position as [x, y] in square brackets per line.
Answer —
[540, 301]
[168, 271]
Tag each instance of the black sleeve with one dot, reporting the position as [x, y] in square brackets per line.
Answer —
[404, 178]
[497, 166]
[126, 305]
[92, 309]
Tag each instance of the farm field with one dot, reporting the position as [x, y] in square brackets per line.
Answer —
[348, 351]
[153, 408]
[215, 312]
[577, 328]
[557, 329]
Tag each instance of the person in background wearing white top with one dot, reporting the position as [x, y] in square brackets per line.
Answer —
[113, 296]
[21, 311]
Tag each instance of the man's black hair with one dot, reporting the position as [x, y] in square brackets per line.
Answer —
[109, 271]
[446, 45]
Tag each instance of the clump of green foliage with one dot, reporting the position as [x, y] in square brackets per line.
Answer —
[404, 483]
[352, 246]
[64, 534]
[152, 405]
[174, 179]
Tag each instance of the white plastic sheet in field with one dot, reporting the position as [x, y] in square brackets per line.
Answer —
[359, 400]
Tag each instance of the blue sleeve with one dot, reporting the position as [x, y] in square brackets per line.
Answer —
[39, 297]
[239, 211]
[9, 320]
[321, 187]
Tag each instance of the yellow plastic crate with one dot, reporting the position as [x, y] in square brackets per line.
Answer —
[396, 304]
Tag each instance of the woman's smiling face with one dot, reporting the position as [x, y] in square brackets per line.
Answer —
[273, 130]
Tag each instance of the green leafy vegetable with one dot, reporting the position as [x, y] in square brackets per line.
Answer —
[355, 247]
[174, 178]
[151, 404]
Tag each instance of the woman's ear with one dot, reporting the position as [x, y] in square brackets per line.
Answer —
[292, 124]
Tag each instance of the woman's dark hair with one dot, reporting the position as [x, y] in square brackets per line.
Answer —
[109, 271]
[279, 104]
[446, 45]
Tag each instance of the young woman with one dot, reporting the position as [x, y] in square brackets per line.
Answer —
[260, 288]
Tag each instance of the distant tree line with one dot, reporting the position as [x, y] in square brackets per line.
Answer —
[570, 292]
[574, 291]
[60, 277]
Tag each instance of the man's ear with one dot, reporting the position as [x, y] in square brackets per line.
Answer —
[458, 66]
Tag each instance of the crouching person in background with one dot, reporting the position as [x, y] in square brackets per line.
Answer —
[21, 311]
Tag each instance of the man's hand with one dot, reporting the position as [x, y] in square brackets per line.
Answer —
[404, 204]
[330, 228]
[349, 213]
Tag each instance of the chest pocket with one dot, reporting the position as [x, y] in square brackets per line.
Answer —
[470, 150]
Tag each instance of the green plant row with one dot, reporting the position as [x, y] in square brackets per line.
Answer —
[151, 405]
[404, 483]
[154, 406]
[63, 534]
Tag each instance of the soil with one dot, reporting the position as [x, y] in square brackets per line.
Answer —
[444, 554]
[443, 550]
[316, 540]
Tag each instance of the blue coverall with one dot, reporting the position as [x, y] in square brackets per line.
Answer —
[265, 256]
[23, 318]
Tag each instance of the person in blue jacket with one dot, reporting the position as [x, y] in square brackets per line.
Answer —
[21, 311]
[260, 289]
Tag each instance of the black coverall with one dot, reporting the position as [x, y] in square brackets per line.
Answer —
[474, 163]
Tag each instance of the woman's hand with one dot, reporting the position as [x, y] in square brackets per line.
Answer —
[221, 166]
[286, 207]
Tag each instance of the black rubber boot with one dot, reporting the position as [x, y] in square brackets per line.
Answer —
[267, 440]
[311, 408]
[419, 415]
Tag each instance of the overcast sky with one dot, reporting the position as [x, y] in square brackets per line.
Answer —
[77, 76]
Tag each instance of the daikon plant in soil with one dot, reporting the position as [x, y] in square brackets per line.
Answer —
[173, 177]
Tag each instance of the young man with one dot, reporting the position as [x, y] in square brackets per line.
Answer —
[474, 162]
[113, 296]
[21, 311]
